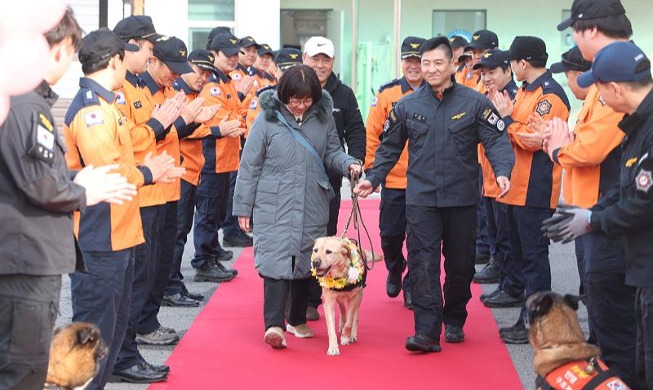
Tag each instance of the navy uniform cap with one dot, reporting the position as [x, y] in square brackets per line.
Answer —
[136, 27]
[592, 9]
[226, 43]
[173, 52]
[265, 49]
[204, 59]
[617, 62]
[572, 59]
[457, 41]
[494, 58]
[410, 47]
[247, 42]
[101, 44]
[528, 48]
[288, 57]
[216, 31]
[484, 39]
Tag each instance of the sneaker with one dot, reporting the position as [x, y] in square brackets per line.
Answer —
[453, 334]
[224, 269]
[275, 338]
[489, 274]
[503, 299]
[301, 331]
[516, 334]
[197, 297]
[224, 255]
[482, 258]
[483, 297]
[312, 314]
[422, 343]
[167, 330]
[238, 241]
[158, 337]
[209, 273]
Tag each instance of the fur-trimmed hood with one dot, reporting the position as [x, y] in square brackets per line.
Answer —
[270, 103]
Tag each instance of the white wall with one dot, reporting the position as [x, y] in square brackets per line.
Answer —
[264, 25]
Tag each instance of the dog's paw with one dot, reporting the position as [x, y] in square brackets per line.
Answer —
[345, 340]
[333, 351]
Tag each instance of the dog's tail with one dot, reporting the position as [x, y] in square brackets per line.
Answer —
[368, 256]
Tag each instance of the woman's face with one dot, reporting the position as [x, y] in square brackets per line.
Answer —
[298, 106]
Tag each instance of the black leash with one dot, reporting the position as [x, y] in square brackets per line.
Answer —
[357, 217]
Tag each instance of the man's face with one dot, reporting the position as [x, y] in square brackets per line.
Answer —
[457, 52]
[612, 96]
[247, 56]
[161, 73]
[518, 68]
[412, 70]
[322, 64]
[138, 60]
[477, 54]
[436, 68]
[572, 82]
[262, 63]
[497, 77]
[586, 43]
[61, 56]
[226, 64]
[121, 71]
[198, 78]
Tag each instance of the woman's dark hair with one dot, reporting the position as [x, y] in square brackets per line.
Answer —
[299, 82]
[67, 27]
[615, 26]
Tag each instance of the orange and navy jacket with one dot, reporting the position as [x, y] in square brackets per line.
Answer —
[95, 134]
[134, 106]
[384, 101]
[191, 146]
[261, 79]
[222, 154]
[591, 162]
[535, 179]
[255, 108]
[581, 375]
[238, 74]
[467, 77]
[157, 95]
[490, 187]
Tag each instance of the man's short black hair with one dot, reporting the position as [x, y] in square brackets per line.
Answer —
[615, 26]
[67, 27]
[92, 67]
[441, 43]
[639, 84]
[299, 82]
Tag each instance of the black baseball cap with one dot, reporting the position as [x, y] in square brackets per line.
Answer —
[101, 44]
[137, 27]
[572, 59]
[216, 31]
[204, 59]
[457, 41]
[247, 42]
[592, 9]
[265, 49]
[410, 47]
[484, 39]
[494, 58]
[173, 52]
[466, 53]
[617, 62]
[227, 43]
[288, 57]
[528, 48]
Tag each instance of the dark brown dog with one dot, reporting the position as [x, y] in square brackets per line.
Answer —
[563, 360]
[75, 352]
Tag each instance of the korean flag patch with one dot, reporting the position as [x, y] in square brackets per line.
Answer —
[93, 118]
[215, 91]
[493, 119]
[253, 104]
[236, 76]
[374, 101]
[543, 107]
[120, 98]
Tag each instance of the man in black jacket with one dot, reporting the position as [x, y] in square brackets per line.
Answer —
[444, 122]
[319, 54]
[37, 198]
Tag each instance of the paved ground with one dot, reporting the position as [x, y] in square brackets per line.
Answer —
[565, 280]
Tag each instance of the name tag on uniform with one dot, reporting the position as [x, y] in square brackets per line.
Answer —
[44, 137]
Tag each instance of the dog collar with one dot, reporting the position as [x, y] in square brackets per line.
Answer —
[355, 276]
[53, 386]
[581, 374]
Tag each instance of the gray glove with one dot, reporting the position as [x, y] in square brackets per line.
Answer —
[567, 224]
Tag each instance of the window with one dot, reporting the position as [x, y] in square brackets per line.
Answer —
[458, 22]
[567, 40]
[299, 25]
[204, 15]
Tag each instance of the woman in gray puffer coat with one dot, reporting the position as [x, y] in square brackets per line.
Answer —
[283, 185]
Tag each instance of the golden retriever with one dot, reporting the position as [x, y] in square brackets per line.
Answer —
[340, 268]
[75, 351]
[563, 359]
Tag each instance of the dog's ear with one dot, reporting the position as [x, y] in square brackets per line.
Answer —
[344, 249]
[86, 334]
[572, 300]
[57, 331]
[540, 305]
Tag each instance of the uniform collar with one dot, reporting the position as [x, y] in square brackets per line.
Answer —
[132, 78]
[538, 81]
[47, 93]
[94, 86]
[241, 68]
[180, 85]
[221, 76]
[632, 122]
[150, 83]
[440, 95]
[511, 88]
[255, 72]
[405, 85]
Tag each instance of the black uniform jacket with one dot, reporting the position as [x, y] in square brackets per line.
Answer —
[444, 131]
[627, 210]
[37, 195]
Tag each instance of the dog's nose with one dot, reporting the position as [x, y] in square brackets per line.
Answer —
[316, 263]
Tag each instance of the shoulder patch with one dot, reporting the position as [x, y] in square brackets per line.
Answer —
[486, 113]
[215, 91]
[46, 122]
[253, 104]
[236, 76]
[543, 107]
[120, 98]
[389, 84]
[138, 104]
[501, 125]
[93, 118]
[391, 121]
[644, 180]
[374, 101]
[493, 119]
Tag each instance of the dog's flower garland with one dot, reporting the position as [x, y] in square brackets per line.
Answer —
[354, 274]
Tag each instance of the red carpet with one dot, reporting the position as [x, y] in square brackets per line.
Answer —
[224, 348]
